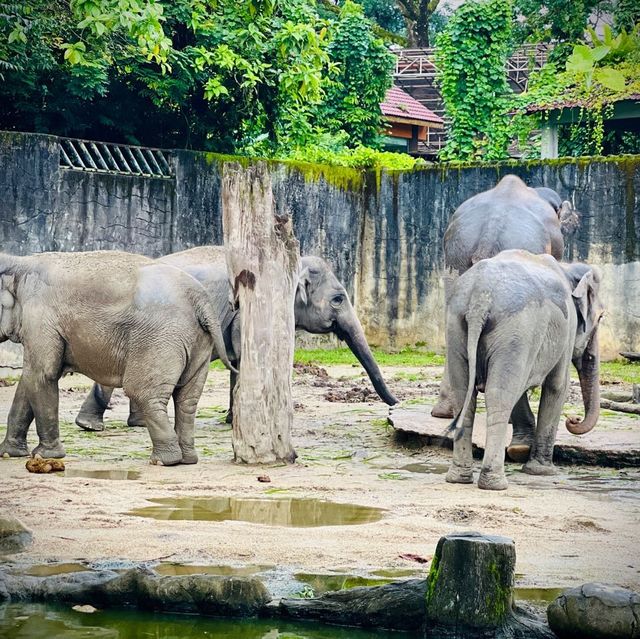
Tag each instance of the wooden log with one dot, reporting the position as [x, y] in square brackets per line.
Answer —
[621, 407]
[263, 261]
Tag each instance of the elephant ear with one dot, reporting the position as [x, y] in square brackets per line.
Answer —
[7, 303]
[584, 295]
[569, 218]
[304, 279]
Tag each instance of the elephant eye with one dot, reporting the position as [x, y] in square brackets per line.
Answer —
[337, 300]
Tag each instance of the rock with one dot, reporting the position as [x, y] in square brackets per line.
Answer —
[14, 535]
[398, 606]
[86, 609]
[595, 610]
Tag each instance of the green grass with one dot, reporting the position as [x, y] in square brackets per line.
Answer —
[620, 370]
[337, 356]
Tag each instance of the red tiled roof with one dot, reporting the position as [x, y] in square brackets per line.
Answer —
[399, 104]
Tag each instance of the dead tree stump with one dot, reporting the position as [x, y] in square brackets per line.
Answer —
[263, 261]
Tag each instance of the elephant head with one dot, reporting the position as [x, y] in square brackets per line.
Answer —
[567, 214]
[323, 306]
[585, 281]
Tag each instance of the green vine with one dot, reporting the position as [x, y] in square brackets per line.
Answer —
[471, 54]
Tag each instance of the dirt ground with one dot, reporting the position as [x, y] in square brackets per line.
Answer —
[579, 526]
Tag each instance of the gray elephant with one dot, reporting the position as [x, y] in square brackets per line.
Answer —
[509, 216]
[118, 318]
[516, 321]
[321, 306]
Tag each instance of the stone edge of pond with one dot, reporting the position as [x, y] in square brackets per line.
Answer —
[396, 606]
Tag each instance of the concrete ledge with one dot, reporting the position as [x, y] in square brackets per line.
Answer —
[608, 444]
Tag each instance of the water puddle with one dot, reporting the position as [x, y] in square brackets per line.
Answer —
[400, 573]
[320, 583]
[294, 512]
[39, 621]
[433, 468]
[49, 570]
[538, 595]
[102, 474]
[167, 568]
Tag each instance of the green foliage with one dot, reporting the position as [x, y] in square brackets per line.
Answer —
[340, 356]
[352, 103]
[594, 77]
[247, 76]
[384, 13]
[471, 55]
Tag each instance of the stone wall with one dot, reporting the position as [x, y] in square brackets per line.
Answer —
[381, 232]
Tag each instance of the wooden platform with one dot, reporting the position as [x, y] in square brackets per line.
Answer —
[613, 443]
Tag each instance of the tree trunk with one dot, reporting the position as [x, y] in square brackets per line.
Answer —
[470, 582]
[263, 262]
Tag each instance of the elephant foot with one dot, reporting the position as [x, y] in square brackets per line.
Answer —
[49, 451]
[536, 467]
[492, 481]
[14, 449]
[442, 409]
[189, 455]
[135, 420]
[166, 454]
[518, 452]
[89, 421]
[459, 475]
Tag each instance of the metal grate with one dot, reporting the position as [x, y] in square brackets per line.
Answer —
[84, 155]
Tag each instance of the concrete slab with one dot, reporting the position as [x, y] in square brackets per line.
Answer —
[613, 442]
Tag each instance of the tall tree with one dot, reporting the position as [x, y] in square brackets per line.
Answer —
[417, 15]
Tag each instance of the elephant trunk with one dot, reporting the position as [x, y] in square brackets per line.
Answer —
[350, 330]
[590, 385]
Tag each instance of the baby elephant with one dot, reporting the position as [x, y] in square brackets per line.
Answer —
[514, 322]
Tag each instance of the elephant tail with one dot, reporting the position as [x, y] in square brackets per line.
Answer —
[476, 320]
[210, 323]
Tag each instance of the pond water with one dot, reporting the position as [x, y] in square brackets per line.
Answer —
[37, 621]
[295, 512]
[172, 569]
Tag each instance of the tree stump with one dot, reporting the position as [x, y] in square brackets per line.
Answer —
[470, 583]
[263, 261]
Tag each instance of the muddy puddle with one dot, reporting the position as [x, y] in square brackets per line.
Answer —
[49, 570]
[172, 569]
[102, 474]
[321, 583]
[537, 595]
[294, 512]
[38, 621]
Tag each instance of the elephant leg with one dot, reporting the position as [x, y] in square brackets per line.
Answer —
[136, 418]
[461, 469]
[44, 398]
[91, 415]
[233, 380]
[524, 428]
[18, 422]
[444, 406]
[185, 399]
[554, 392]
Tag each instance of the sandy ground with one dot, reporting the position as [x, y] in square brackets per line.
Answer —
[579, 526]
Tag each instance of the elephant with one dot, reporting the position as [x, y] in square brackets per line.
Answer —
[509, 216]
[321, 305]
[516, 321]
[122, 320]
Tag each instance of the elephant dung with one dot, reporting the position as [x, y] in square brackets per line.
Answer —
[600, 611]
[39, 465]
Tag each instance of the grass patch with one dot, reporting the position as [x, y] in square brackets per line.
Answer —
[343, 356]
[620, 371]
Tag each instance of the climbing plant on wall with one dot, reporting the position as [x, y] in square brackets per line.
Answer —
[471, 54]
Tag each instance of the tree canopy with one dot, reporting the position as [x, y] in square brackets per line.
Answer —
[225, 75]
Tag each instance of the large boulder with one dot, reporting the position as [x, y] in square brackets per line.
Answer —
[14, 535]
[598, 611]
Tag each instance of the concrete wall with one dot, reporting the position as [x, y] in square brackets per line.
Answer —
[381, 232]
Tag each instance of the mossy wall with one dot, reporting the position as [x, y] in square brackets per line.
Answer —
[382, 232]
